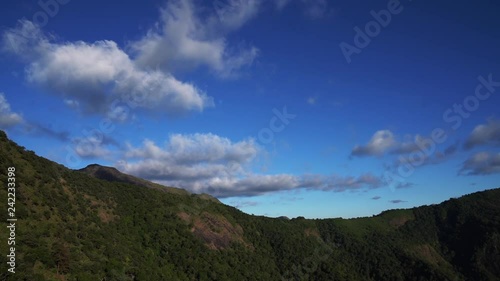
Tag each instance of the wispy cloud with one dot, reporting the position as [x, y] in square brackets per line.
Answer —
[39, 129]
[481, 163]
[437, 157]
[397, 201]
[385, 142]
[484, 134]
[376, 197]
[404, 185]
[243, 204]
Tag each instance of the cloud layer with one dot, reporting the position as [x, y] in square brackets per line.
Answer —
[213, 164]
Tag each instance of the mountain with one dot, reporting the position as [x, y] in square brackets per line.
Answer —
[113, 175]
[100, 224]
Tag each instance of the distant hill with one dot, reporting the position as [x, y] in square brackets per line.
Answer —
[100, 224]
[113, 175]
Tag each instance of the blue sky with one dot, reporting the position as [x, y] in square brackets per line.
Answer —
[292, 108]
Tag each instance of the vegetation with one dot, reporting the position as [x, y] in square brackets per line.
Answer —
[81, 225]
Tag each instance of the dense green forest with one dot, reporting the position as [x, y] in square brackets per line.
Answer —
[98, 224]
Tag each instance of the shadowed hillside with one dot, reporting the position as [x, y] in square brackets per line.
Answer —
[100, 224]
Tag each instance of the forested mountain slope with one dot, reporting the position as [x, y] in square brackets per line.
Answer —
[90, 225]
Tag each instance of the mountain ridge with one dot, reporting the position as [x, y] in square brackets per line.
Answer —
[112, 174]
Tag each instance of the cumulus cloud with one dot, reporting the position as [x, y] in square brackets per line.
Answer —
[183, 40]
[90, 76]
[481, 163]
[484, 134]
[91, 148]
[408, 146]
[385, 142]
[380, 142]
[207, 163]
[190, 161]
[7, 117]
[94, 75]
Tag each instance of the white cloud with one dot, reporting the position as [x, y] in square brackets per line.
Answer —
[89, 76]
[7, 117]
[484, 134]
[185, 40]
[188, 149]
[190, 161]
[380, 142]
[385, 141]
[90, 147]
[213, 164]
[93, 75]
[481, 163]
